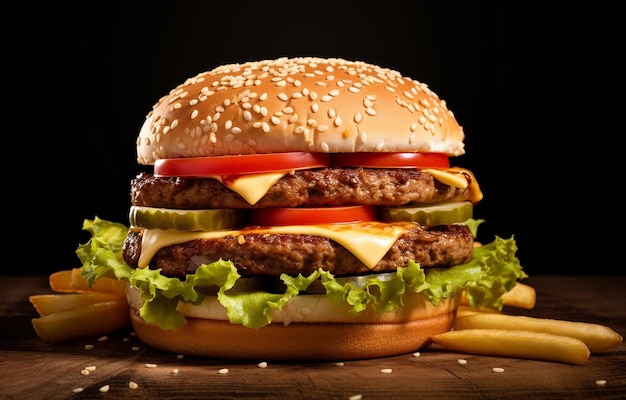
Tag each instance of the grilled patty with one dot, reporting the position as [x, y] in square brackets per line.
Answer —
[304, 188]
[273, 254]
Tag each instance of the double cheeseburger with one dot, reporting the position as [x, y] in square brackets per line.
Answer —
[299, 209]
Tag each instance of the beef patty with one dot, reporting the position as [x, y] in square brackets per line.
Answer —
[303, 188]
[273, 254]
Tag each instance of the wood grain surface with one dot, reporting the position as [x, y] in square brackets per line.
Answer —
[32, 369]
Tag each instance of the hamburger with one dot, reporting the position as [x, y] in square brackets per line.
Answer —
[299, 209]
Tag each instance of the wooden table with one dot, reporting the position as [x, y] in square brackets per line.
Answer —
[31, 369]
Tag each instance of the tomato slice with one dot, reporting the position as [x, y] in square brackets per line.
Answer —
[391, 160]
[239, 164]
[311, 216]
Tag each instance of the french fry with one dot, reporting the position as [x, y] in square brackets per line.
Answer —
[520, 296]
[83, 322]
[61, 281]
[467, 310]
[71, 281]
[47, 304]
[595, 336]
[515, 343]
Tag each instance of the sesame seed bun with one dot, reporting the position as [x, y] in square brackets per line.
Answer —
[324, 334]
[298, 104]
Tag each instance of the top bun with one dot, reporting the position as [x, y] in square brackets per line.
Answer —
[298, 104]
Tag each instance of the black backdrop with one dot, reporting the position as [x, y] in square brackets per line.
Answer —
[498, 66]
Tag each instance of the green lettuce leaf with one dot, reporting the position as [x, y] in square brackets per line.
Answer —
[493, 270]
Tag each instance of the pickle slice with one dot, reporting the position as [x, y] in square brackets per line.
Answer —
[431, 215]
[185, 220]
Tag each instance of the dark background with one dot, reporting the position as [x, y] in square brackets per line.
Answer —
[498, 65]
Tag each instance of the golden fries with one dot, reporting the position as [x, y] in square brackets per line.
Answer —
[521, 296]
[515, 343]
[596, 337]
[79, 311]
[467, 310]
[490, 332]
[71, 281]
[47, 304]
[82, 322]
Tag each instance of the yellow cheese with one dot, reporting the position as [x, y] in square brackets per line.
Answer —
[252, 187]
[368, 241]
[459, 178]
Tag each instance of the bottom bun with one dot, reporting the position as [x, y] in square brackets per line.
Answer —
[299, 341]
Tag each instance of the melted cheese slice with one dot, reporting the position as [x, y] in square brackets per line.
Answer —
[252, 187]
[459, 178]
[368, 241]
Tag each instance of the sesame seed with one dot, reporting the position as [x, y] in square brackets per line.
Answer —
[601, 382]
[150, 365]
[497, 369]
[88, 346]
[175, 371]
[462, 361]
[386, 371]
[262, 364]
[180, 356]
[223, 371]
[132, 385]
[77, 390]
[417, 354]
[135, 348]
[340, 364]
[355, 397]
[104, 389]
